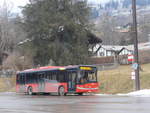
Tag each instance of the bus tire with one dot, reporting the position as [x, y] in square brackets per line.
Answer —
[61, 91]
[29, 91]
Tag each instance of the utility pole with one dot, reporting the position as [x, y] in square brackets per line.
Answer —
[136, 56]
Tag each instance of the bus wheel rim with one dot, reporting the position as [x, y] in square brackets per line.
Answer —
[61, 91]
[30, 91]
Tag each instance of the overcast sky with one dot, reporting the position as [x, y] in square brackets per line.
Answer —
[99, 1]
[23, 2]
[16, 3]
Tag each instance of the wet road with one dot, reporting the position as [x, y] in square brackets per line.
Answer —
[15, 103]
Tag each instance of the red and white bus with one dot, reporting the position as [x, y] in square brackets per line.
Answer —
[56, 79]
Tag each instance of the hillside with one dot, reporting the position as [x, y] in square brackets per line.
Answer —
[119, 80]
[7, 84]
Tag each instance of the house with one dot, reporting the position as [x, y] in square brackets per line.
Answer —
[108, 50]
[112, 50]
[120, 53]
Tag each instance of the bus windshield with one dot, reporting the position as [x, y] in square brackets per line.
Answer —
[87, 76]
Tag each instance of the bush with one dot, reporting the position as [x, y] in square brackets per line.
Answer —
[17, 62]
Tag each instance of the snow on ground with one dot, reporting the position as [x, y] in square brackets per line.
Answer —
[7, 93]
[140, 93]
[103, 94]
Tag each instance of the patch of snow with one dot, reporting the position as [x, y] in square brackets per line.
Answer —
[7, 92]
[140, 93]
[103, 94]
[26, 40]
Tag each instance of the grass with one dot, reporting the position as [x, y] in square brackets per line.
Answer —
[119, 80]
[7, 84]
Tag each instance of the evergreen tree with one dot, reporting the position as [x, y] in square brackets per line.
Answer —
[58, 30]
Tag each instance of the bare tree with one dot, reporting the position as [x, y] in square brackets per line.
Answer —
[4, 27]
[106, 29]
[10, 32]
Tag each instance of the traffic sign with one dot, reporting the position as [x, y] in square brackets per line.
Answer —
[133, 75]
[130, 58]
[135, 66]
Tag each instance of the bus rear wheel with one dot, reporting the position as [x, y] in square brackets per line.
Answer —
[30, 92]
[61, 91]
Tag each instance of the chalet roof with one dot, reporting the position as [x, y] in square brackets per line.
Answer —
[93, 39]
[141, 46]
[116, 47]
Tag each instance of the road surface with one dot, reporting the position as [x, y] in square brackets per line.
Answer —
[19, 103]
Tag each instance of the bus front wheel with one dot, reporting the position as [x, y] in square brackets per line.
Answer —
[61, 91]
[30, 92]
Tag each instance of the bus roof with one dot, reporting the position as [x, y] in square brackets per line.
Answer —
[46, 68]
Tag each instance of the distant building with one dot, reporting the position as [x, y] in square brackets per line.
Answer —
[112, 50]
[104, 54]
[106, 50]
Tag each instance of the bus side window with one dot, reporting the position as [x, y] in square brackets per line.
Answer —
[32, 78]
[42, 76]
[34, 75]
[60, 76]
[63, 76]
[37, 77]
[66, 76]
[54, 76]
[29, 78]
[21, 79]
[57, 76]
[48, 75]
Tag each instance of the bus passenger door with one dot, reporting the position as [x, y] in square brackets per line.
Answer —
[41, 82]
[72, 76]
